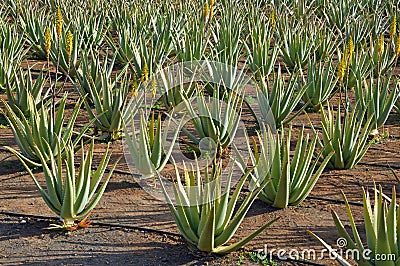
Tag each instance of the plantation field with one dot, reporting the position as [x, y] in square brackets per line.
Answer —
[125, 203]
[199, 132]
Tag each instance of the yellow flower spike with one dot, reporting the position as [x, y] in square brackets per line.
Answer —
[47, 41]
[59, 23]
[135, 87]
[397, 46]
[272, 20]
[381, 42]
[393, 28]
[153, 87]
[349, 49]
[69, 43]
[211, 14]
[212, 2]
[145, 73]
[206, 10]
[342, 69]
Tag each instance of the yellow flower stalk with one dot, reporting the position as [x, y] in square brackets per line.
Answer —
[392, 30]
[349, 49]
[69, 43]
[153, 87]
[211, 14]
[272, 20]
[397, 46]
[212, 2]
[206, 11]
[47, 41]
[145, 73]
[59, 23]
[135, 87]
[381, 42]
[342, 69]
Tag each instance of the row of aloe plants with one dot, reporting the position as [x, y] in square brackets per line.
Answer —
[280, 180]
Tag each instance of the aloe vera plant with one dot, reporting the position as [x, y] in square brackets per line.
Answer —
[325, 43]
[40, 130]
[147, 148]
[381, 224]
[108, 95]
[11, 54]
[71, 194]
[281, 99]
[205, 211]
[214, 118]
[320, 84]
[191, 43]
[360, 28]
[175, 87]
[32, 22]
[261, 49]
[349, 139]
[359, 66]
[23, 92]
[292, 179]
[226, 36]
[67, 61]
[382, 59]
[92, 69]
[297, 47]
[377, 98]
[144, 51]
[12, 43]
[93, 28]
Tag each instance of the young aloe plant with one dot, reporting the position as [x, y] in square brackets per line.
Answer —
[11, 54]
[281, 99]
[297, 47]
[320, 84]
[32, 22]
[147, 147]
[40, 130]
[382, 59]
[66, 57]
[349, 139]
[359, 66]
[377, 98]
[144, 52]
[215, 118]
[292, 179]
[108, 97]
[381, 223]
[23, 92]
[228, 45]
[205, 210]
[72, 196]
[175, 87]
[191, 43]
[92, 68]
[261, 49]
[325, 43]
[93, 28]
